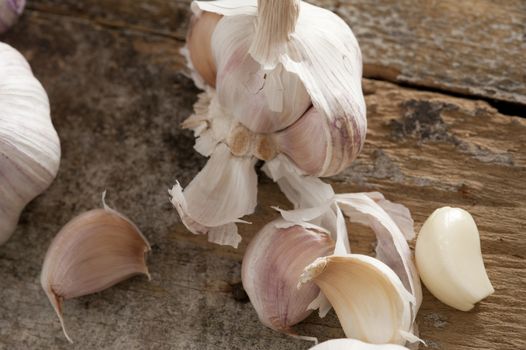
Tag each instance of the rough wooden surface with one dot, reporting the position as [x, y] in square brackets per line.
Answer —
[472, 47]
[118, 94]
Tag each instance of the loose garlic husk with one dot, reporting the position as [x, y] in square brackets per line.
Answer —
[282, 80]
[272, 264]
[369, 298]
[353, 344]
[92, 252]
[449, 259]
[10, 10]
[29, 145]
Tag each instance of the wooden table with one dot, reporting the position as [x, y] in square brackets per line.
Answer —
[445, 84]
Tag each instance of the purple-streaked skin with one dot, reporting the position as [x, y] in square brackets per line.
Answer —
[9, 12]
[273, 262]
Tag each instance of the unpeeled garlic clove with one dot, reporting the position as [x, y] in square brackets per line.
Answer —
[10, 10]
[29, 144]
[449, 259]
[319, 146]
[92, 252]
[199, 44]
[273, 262]
[370, 300]
[353, 344]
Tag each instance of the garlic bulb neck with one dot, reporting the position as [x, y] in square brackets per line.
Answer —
[29, 144]
[276, 21]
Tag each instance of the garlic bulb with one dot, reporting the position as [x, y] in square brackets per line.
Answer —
[282, 80]
[272, 264]
[9, 12]
[353, 344]
[29, 145]
[449, 259]
[92, 252]
[369, 298]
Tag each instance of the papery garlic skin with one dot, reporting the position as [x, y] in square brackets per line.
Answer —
[92, 252]
[371, 303]
[10, 10]
[272, 264]
[199, 44]
[449, 259]
[353, 344]
[29, 144]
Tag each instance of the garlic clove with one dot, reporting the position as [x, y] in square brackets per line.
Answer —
[353, 344]
[199, 44]
[449, 259]
[392, 247]
[223, 191]
[370, 300]
[10, 10]
[272, 264]
[92, 252]
[29, 144]
[272, 99]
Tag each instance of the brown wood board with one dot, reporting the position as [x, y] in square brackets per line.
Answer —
[118, 94]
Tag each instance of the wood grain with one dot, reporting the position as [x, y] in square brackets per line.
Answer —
[117, 97]
[471, 47]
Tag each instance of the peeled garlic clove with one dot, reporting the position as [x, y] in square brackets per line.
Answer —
[273, 262]
[92, 252]
[29, 145]
[370, 300]
[353, 344]
[199, 44]
[9, 12]
[449, 259]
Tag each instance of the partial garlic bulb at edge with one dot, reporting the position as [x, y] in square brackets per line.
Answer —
[353, 344]
[29, 145]
[273, 262]
[10, 10]
[92, 252]
[449, 259]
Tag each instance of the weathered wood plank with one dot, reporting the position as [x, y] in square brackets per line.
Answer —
[472, 47]
[117, 98]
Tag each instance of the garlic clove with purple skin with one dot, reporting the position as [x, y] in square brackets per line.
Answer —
[273, 262]
[10, 10]
[92, 252]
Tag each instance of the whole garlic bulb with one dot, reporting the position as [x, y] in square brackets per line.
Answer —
[287, 73]
[271, 66]
[273, 262]
[9, 12]
[29, 145]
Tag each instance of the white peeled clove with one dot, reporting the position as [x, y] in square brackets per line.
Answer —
[449, 259]
[272, 264]
[353, 344]
[10, 10]
[92, 252]
[370, 300]
[29, 144]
